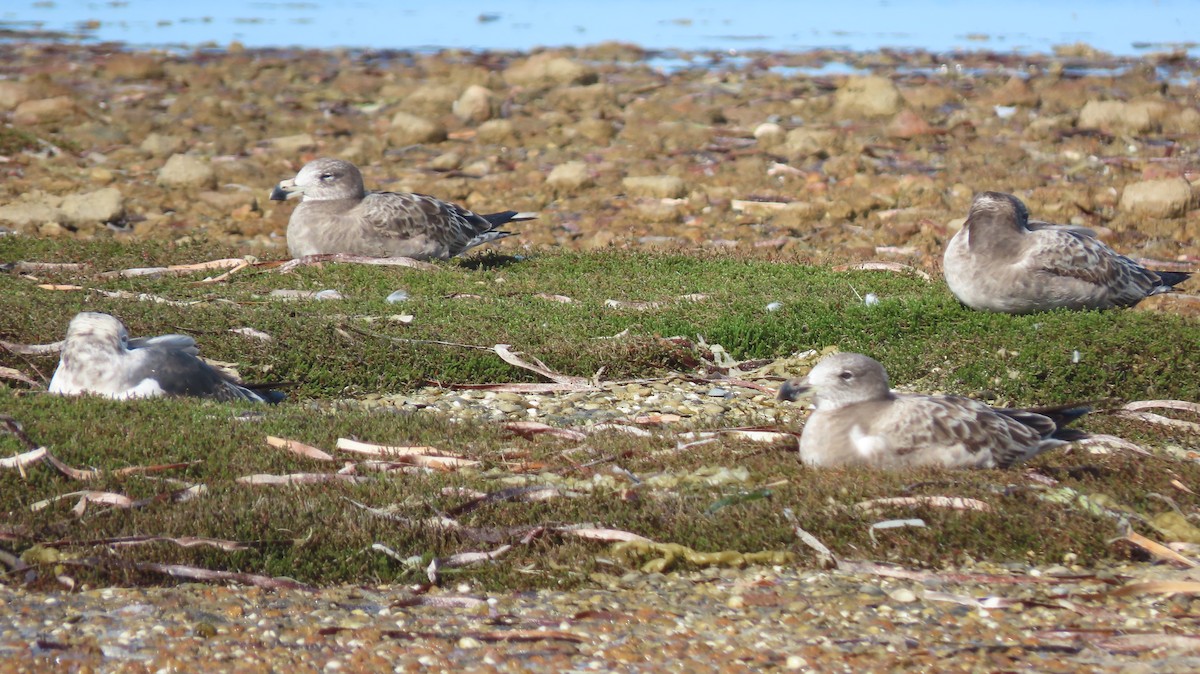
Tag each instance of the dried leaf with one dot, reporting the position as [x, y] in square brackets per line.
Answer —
[251, 332]
[1157, 549]
[1139, 643]
[101, 497]
[24, 267]
[21, 460]
[299, 478]
[623, 428]
[825, 557]
[182, 541]
[1168, 404]
[602, 534]
[636, 306]
[32, 349]
[951, 502]
[195, 573]
[884, 266]
[300, 448]
[506, 354]
[13, 373]
[1157, 587]
[761, 436]
[555, 298]
[348, 445]
[529, 429]
[1158, 419]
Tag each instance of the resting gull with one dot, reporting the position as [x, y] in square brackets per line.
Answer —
[337, 215]
[859, 420]
[98, 357]
[1000, 261]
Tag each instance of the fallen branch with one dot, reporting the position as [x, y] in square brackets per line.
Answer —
[299, 448]
[299, 479]
[951, 502]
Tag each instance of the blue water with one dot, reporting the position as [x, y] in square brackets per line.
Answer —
[1120, 27]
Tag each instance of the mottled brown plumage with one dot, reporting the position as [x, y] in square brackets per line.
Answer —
[1001, 261]
[859, 420]
[338, 215]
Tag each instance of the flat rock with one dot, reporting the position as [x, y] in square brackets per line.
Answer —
[867, 97]
[546, 69]
[295, 144]
[103, 205]
[1164, 198]
[569, 176]
[33, 208]
[496, 131]
[409, 129]
[662, 187]
[13, 94]
[804, 141]
[1171, 303]
[161, 145]
[1136, 116]
[43, 110]
[185, 170]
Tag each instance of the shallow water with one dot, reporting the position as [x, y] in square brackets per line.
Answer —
[1119, 27]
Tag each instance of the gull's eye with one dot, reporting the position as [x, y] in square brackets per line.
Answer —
[846, 375]
[327, 176]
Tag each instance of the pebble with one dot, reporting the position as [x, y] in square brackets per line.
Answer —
[103, 205]
[871, 96]
[661, 187]
[569, 177]
[477, 104]
[185, 170]
[1164, 198]
[410, 129]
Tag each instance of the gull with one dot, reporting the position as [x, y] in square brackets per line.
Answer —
[98, 357]
[1002, 261]
[859, 420]
[337, 215]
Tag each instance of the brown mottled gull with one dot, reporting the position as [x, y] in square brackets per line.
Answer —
[337, 215]
[1000, 261]
[859, 420]
[99, 358]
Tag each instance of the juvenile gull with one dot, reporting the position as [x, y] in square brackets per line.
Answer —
[337, 215]
[98, 357]
[859, 420]
[1000, 261]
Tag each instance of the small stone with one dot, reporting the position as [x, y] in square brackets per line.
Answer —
[1165, 198]
[43, 110]
[546, 69]
[301, 142]
[13, 94]
[447, 161]
[769, 134]
[871, 96]
[662, 187]
[804, 142]
[477, 104]
[469, 642]
[718, 392]
[496, 131]
[185, 170]
[104, 205]
[159, 145]
[1137, 116]
[903, 596]
[570, 177]
[409, 129]
[908, 124]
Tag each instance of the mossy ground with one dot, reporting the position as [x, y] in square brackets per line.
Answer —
[315, 534]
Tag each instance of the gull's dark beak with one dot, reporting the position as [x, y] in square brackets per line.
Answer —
[285, 190]
[793, 388]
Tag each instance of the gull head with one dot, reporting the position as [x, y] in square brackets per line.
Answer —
[324, 179]
[840, 379]
[97, 331]
[998, 205]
